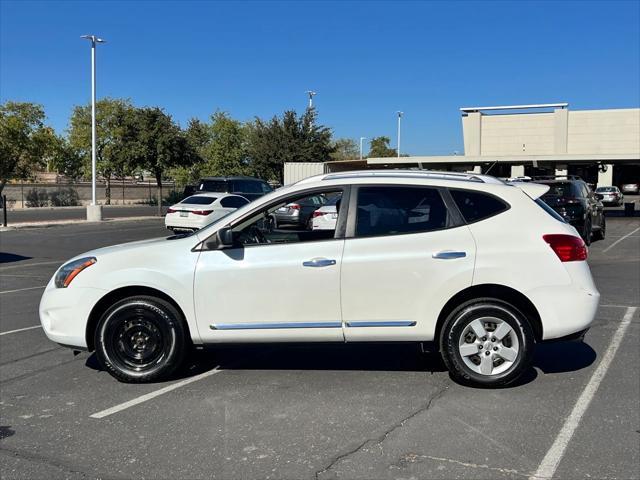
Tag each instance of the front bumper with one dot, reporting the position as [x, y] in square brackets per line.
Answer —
[64, 313]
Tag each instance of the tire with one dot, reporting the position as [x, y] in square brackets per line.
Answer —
[586, 232]
[140, 339]
[600, 234]
[459, 336]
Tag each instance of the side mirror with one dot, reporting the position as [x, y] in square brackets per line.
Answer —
[225, 238]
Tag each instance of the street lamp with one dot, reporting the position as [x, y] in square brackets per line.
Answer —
[399, 117]
[361, 139]
[94, 211]
[311, 94]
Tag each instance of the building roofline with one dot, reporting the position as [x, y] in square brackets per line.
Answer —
[515, 107]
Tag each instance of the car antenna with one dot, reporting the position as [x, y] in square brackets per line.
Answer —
[489, 169]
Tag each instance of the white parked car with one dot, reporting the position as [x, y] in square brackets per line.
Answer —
[198, 211]
[481, 268]
[326, 217]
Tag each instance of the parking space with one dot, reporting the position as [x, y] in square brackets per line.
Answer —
[338, 411]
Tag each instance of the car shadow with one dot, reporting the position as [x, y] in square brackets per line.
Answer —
[549, 358]
[12, 257]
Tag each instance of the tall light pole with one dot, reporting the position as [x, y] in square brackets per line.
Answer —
[94, 213]
[311, 94]
[361, 139]
[399, 117]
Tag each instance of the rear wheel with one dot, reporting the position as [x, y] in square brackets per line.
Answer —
[140, 339]
[486, 342]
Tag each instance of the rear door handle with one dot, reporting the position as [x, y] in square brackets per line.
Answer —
[319, 262]
[449, 255]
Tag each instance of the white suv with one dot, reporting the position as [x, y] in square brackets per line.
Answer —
[481, 268]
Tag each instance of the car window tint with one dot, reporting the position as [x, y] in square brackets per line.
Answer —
[398, 210]
[563, 189]
[214, 186]
[266, 188]
[476, 206]
[233, 202]
[199, 200]
[290, 221]
[247, 186]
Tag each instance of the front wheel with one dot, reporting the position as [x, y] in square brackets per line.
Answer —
[600, 234]
[486, 342]
[140, 339]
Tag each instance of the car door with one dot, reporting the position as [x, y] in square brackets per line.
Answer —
[406, 254]
[271, 285]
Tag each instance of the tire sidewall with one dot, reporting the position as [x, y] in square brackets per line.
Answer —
[458, 321]
[167, 318]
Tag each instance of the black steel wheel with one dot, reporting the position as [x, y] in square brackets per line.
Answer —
[140, 339]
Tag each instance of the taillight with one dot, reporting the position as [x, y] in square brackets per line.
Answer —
[568, 248]
[319, 214]
[201, 212]
[171, 210]
[294, 206]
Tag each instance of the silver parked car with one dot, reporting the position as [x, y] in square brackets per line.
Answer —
[610, 195]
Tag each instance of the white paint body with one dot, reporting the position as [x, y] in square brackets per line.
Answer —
[392, 278]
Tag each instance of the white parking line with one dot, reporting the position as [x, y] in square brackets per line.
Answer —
[149, 396]
[20, 330]
[619, 240]
[553, 457]
[22, 289]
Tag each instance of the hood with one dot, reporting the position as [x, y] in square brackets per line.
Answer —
[123, 247]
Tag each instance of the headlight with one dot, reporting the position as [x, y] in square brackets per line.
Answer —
[69, 271]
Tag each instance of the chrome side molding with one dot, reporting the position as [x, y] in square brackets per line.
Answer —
[271, 326]
[391, 323]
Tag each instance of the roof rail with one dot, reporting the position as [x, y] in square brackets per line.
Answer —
[553, 177]
[467, 177]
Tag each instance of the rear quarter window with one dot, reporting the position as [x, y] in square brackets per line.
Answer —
[476, 206]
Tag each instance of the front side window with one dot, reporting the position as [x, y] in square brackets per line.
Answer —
[290, 221]
[391, 210]
[475, 206]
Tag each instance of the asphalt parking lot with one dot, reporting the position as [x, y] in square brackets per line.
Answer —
[320, 412]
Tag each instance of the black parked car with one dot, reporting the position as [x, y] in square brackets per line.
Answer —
[571, 197]
[249, 187]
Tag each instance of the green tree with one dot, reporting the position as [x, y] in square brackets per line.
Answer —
[25, 142]
[198, 136]
[226, 152]
[379, 147]
[159, 145]
[287, 139]
[115, 132]
[345, 149]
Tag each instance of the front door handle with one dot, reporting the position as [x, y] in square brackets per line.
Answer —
[319, 262]
[449, 255]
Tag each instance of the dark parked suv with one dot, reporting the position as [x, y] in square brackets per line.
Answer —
[249, 187]
[571, 197]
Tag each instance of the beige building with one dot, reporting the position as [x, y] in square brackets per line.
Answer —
[602, 146]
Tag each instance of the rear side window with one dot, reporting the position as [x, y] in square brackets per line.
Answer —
[199, 200]
[398, 210]
[233, 202]
[247, 186]
[476, 206]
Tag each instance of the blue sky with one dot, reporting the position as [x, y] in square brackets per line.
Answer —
[366, 60]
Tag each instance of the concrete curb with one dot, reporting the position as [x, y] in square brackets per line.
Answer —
[56, 223]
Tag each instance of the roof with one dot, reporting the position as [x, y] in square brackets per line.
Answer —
[233, 177]
[413, 174]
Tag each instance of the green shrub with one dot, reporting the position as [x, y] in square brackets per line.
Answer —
[64, 197]
[37, 197]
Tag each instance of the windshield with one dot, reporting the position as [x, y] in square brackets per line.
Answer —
[199, 200]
